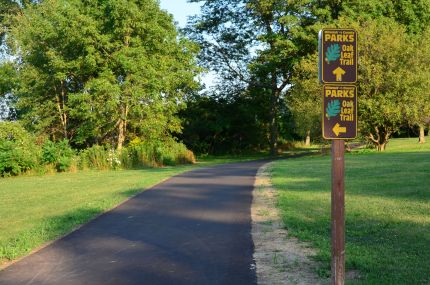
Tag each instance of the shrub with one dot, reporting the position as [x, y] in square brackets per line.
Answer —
[59, 154]
[95, 157]
[18, 151]
[13, 131]
[137, 154]
[142, 155]
[173, 153]
[186, 157]
[158, 153]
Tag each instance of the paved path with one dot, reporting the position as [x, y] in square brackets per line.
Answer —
[194, 228]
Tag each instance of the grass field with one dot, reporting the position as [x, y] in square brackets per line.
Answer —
[37, 209]
[387, 211]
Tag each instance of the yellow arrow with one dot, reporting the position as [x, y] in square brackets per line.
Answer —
[339, 72]
[338, 129]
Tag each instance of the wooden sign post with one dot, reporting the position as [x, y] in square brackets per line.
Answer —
[338, 72]
[338, 212]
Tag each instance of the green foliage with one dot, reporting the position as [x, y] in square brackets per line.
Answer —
[18, 151]
[414, 15]
[137, 155]
[107, 71]
[161, 153]
[15, 159]
[13, 131]
[391, 82]
[333, 53]
[260, 45]
[95, 157]
[219, 123]
[333, 109]
[59, 154]
[305, 100]
[7, 7]
[254, 46]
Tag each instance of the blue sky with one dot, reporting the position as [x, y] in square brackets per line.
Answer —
[180, 9]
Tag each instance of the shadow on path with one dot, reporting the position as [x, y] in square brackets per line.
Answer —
[194, 228]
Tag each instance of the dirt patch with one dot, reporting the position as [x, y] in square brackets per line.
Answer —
[280, 259]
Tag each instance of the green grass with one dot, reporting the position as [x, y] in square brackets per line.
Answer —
[37, 209]
[387, 211]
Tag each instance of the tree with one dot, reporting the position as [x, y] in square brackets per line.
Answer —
[393, 80]
[8, 82]
[7, 8]
[145, 77]
[417, 111]
[50, 41]
[386, 82]
[305, 100]
[101, 71]
[414, 15]
[223, 122]
[257, 43]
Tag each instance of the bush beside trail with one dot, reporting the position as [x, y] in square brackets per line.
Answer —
[138, 154]
[20, 152]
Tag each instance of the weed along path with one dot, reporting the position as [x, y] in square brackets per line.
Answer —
[194, 228]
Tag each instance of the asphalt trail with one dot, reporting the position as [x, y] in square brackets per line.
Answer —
[195, 228]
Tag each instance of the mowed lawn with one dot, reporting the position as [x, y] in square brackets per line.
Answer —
[387, 211]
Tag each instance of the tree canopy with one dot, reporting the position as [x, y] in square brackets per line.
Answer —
[266, 46]
[100, 71]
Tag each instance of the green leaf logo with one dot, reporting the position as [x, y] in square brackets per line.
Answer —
[333, 53]
[333, 109]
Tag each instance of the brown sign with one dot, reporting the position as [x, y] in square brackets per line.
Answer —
[338, 56]
[340, 112]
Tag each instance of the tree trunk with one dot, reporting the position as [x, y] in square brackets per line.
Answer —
[61, 107]
[273, 131]
[122, 126]
[428, 131]
[122, 123]
[275, 92]
[121, 134]
[422, 138]
[381, 139]
[273, 136]
[308, 138]
[273, 117]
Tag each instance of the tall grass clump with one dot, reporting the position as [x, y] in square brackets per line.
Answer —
[137, 154]
[158, 153]
[95, 157]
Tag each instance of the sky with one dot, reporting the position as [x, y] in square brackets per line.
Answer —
[180, 10]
